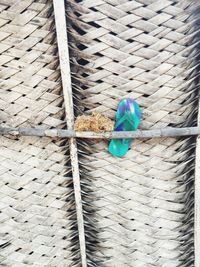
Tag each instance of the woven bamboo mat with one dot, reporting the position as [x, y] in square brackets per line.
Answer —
[35, 182]
[138, 211]
[142, 205]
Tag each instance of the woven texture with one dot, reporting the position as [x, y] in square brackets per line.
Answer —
[138, 211]
[142, 204]
[35, 183]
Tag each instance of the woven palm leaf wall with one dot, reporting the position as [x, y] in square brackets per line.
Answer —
[138, 210]
[35, 175]
[142, 204]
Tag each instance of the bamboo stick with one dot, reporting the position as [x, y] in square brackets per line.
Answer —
[140, 134]
[61, 30]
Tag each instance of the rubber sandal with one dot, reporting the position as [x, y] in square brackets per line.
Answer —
[128, 118]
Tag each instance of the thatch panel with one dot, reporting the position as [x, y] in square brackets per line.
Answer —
[142, 205]
[37, 224]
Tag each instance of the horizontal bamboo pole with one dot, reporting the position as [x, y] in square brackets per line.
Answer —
[165, 132]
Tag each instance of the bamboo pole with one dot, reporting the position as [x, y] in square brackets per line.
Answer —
[140, 134]
[61, 30]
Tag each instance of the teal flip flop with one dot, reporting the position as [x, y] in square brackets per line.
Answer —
[128, 117]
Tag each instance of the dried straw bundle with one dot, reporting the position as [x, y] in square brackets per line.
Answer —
[95, 122]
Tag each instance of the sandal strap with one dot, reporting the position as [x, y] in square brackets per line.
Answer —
[126, 118]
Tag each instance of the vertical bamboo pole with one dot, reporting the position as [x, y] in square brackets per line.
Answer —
[197, 200]
[61, 29]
